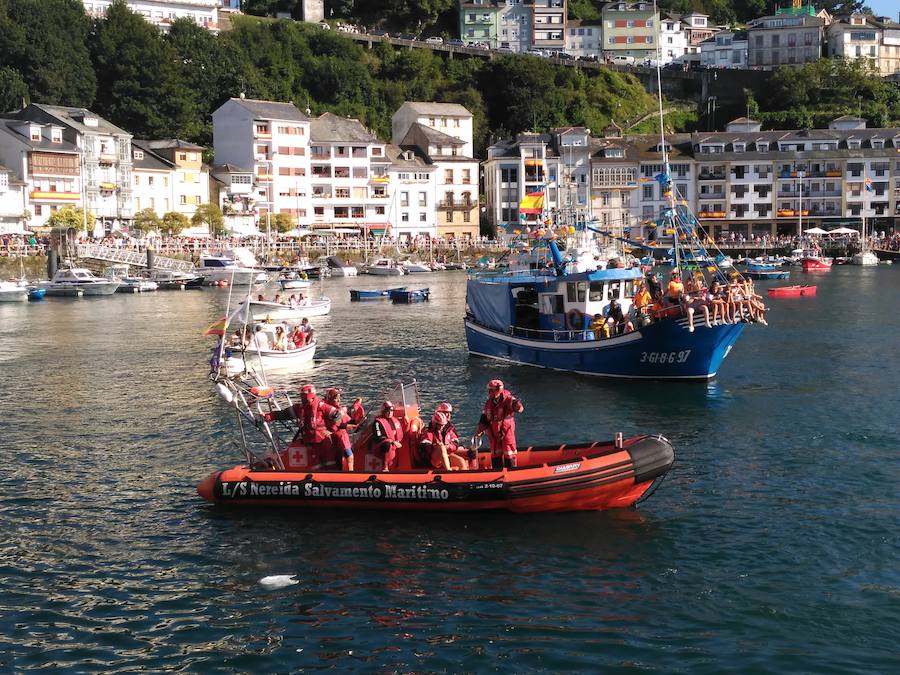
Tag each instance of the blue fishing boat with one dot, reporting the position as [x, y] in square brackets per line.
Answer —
[405, 297]
[369, 294]
[35, 293]
[768, 274]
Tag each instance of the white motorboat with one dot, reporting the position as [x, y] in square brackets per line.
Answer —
[412, 267]
[11, 291]
[78, 281]
[175, 279]
[292, 282]
[339, 268]
[235, 266]
[129, 283]
[268, 360]
[261, 310]
[385, 267]
[864, 258]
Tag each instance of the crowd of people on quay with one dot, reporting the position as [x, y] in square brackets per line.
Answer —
[324, 426]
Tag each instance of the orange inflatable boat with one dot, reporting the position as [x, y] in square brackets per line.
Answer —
[583, 476]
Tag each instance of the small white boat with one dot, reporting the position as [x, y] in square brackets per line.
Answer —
[236, 266]
[293, 282]
[412, 267]
[864, 258]
[337, 267]
[269, 360]
[68, 282]
[11, 291]
[175, 279]
[385, 267]
[279, 311]
[129, 283]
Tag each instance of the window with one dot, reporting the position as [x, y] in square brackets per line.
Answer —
[404, 217]
[404, 199]
[423, 217]
[448, 175]
[647, 192]
[423, 199]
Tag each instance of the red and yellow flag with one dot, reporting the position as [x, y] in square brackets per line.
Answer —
[533, 202]
[217, 328]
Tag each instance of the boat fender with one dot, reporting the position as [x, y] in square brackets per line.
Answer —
[224, 392]
[575, 319]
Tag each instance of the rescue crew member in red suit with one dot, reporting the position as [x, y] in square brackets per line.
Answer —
[387, 435]
[311, 413]
[497, 420]
[439, 446]
[341, 448]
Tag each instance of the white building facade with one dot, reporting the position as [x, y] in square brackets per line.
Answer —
[161, 13]
[13, 202]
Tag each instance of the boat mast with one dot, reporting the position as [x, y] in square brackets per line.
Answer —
[667, 186]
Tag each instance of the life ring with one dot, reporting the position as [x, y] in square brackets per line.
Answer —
[575, 319]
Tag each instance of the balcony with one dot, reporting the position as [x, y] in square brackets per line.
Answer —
[712, 175]
[319, 156]
[453, 204]
[40, 195]
[712, 215]
[713, 195]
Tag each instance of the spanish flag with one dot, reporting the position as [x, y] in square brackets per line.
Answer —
[217, 328]
[533, 202]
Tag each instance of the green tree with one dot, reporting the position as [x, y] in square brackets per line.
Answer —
[13, 90]
[146, 220]
[282, 222]
[71, 217]
[139, 75]
[211, 216]
[174, 222]
[46, 40]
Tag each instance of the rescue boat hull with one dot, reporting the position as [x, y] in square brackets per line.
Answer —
[584, 477]
[663, 350]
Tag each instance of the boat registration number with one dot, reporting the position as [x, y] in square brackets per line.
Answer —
[665, 357]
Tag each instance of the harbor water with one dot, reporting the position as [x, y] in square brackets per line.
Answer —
[771, 547]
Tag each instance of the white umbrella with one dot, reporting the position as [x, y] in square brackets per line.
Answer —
[296, 232]
[815, 230]
[844, 230]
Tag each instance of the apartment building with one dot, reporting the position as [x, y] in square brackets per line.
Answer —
[697, 28]
[151, 180]
[413, 208]
[726, 49]
[161, 13]
[49, 164]
[584, 39]
[348, 179]
[859, 36]
[785, 39]
[514, 27]
[630, 29]
[105, 156]
[190, 178]
[441, 133]
[673, 40]
[743, 180]
[478, 21]
[233, 189]
[13, 202]
[548, 24]
[272, 139]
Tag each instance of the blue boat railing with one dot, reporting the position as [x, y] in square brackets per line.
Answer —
[583, 335]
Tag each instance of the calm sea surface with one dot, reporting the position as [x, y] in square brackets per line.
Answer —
[771, 547]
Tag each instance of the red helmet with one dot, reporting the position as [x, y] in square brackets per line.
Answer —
[445, 408]
[496, 384]
[308, 391]
[332, 394]
[439, 419]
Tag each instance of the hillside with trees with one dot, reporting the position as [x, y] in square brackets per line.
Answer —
[158, 85]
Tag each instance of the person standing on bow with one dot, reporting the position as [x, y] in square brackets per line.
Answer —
[341, 456]
[497, 420]
[387, 436]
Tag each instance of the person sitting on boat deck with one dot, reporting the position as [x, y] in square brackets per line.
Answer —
[439, 445]
[387, 435]
[615, 315]
[311, 412]
[718, 303]
[755, 306]
[599, 327]
[307, 329]
[341, 456]
[298, 337]
[302, 301]
[692, 302]
[497, 420]
[280, 341]
[447, 409]
[277, 298]
[292, 300]
[260, 298]
[675, 289]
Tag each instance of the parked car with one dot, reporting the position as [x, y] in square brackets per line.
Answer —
[504, 50]
[536, 52]
[622, 60]
[565, 56]
[379, 33]
[434, 40]
[456, 43]
[408, 36]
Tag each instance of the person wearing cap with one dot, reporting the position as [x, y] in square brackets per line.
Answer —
[675, 289]
[497, 420]
[387, 435]
[311, 414]
[341, 455]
